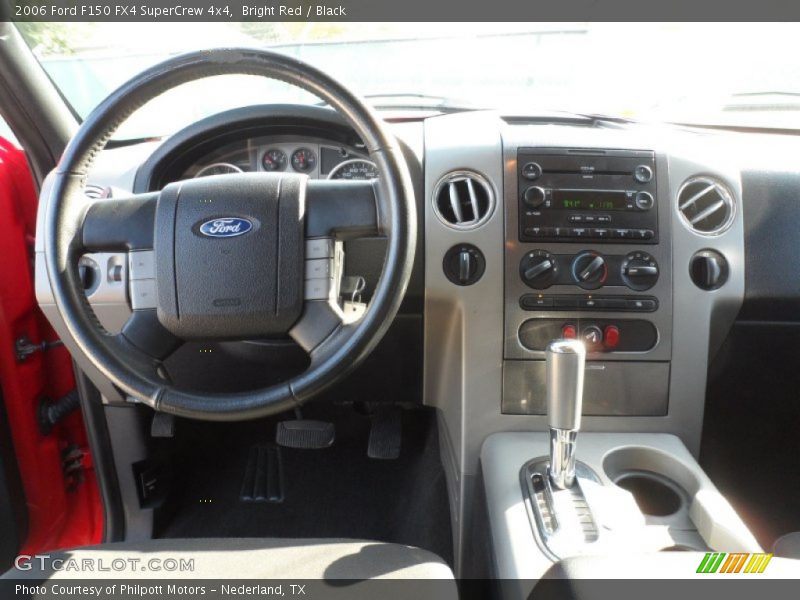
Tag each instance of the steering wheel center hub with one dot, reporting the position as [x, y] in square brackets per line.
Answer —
[229, 255]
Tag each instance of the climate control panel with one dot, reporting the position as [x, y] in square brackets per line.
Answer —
[587, 252]
[589, 270]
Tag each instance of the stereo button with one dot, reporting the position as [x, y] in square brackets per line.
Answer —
[531, 171]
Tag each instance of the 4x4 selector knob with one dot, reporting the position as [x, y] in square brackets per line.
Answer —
[534, 197]
[538, 269]
[592, 336]
[589, 270]
[639, 271]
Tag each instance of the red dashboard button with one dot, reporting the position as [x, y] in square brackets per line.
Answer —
[611, 336]
[569, 332]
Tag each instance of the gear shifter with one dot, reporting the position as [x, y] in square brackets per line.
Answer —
[565, 364]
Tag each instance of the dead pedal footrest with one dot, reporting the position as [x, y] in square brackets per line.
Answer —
[385, 434]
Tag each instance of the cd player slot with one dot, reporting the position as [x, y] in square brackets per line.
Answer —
[586, 172]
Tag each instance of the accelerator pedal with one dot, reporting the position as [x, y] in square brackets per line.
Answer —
[263, 476]
[385, 434]
[305, 434]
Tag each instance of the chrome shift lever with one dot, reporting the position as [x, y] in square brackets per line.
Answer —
[565, 365]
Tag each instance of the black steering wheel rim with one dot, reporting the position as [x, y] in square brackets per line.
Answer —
[136, 374]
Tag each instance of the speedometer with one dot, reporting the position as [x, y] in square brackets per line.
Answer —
[356, 168]
[219, 168]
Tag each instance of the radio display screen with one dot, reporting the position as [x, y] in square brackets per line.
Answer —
[589, 200]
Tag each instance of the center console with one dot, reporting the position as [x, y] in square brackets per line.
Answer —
[627, 239]
[588, 256]
[595, 494]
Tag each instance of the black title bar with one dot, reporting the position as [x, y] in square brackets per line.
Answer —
[399, 10]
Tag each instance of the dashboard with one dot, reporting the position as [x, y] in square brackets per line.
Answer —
[647, 242]
[637, 239]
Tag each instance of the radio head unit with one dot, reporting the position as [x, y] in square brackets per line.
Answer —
[601, 195]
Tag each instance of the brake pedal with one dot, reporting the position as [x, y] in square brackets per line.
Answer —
[305, 434]
[385, 434]
[263, 476]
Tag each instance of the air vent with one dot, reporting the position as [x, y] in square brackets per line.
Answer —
[97, 192]
[463, 200]
[706, 205]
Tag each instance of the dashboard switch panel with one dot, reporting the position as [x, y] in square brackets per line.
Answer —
[588, 303]
[599, 335]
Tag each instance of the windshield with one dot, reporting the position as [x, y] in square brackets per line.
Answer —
[711, 73]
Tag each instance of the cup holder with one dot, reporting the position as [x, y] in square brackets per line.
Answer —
[661, 485]
[655, 495]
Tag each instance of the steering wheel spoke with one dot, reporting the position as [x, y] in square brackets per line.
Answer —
[342, 210]
[120, 224]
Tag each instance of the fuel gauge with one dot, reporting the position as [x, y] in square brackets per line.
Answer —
[304, 160]
[274, 160]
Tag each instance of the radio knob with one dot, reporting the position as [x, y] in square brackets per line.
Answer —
[538, 269]
[639, 271]
[642, 173]
[534, 197]
[644, 200]
[589, 270]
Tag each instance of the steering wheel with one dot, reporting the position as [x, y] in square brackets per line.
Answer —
[227, 256]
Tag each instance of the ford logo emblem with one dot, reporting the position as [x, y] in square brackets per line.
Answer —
[224, 227]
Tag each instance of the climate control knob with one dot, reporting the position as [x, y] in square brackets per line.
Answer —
[538, 269]
[589, 270]
[639, 271]
[534, 197]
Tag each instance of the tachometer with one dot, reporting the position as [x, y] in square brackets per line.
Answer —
[220, 168]
[274, 160]
[356, 168]
[304, 160]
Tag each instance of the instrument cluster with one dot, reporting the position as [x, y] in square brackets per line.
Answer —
[316, 158]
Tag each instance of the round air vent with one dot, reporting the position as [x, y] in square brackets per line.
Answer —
[706, 205]
[463, 200]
